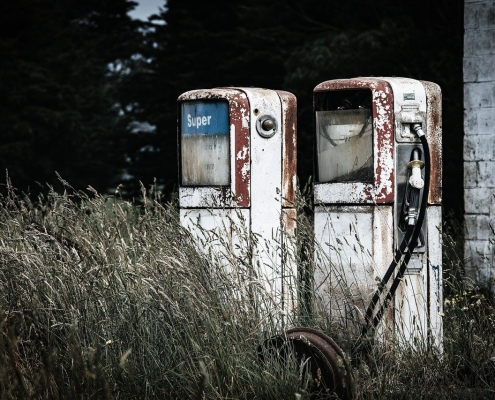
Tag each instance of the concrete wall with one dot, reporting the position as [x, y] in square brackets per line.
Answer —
[479, 139]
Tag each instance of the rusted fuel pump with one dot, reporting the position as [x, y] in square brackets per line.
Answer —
[377, 221]
[237, 150]
[378, 206]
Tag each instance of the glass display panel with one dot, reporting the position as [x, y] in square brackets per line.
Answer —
[205, 143]
[345, 145]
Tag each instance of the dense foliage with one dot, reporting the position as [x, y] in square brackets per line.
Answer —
[91, 94]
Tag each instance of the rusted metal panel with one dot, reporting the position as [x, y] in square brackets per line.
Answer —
[240, 148]
[382, 189]
[242, 171]
[289, 149]
[434, 137]
[289, 221]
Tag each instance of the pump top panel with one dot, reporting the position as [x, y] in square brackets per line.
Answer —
[354, 141]
[220, 133]
[357, 123]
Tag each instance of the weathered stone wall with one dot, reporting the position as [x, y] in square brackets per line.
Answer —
[479, 139]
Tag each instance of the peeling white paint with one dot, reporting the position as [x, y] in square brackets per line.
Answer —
[245, 170]
[354, 192]
[204, 197]
[241, 155]
[245, 121]
[386, 168]
[217, 93]
[382, 109]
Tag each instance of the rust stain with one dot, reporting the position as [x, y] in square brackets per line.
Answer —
[289, 220]
[239, 112]
[383, 187]
[289, 148]
[434, 137]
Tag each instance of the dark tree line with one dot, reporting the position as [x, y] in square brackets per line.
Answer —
[57, 107]
[91, 94]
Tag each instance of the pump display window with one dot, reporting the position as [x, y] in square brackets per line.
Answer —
[344, 137]
[205, 143]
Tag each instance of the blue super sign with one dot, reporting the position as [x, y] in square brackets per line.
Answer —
[202, 118]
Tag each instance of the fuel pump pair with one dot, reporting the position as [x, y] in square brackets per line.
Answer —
[377, 197]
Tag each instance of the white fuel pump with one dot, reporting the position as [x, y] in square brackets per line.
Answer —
[378, 206]
[238, 179]
[377, 224]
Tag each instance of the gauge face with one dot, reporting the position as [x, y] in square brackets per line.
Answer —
[345, 146]
[205, 143]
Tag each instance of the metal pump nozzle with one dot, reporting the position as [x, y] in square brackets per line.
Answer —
[416, 183]
[416, 165]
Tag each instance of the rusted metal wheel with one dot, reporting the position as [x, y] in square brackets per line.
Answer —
[319, 357]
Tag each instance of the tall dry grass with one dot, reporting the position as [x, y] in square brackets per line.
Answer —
[104, 298]
[101, 298]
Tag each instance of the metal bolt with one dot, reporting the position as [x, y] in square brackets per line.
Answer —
[268, 124]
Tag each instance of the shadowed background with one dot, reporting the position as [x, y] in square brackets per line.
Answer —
[90, 93]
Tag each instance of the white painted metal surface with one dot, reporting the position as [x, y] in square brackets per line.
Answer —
[266, 193]
[434, 275]
[354, 246]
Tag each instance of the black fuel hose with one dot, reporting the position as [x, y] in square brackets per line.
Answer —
[407, 246]
[383, 283]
